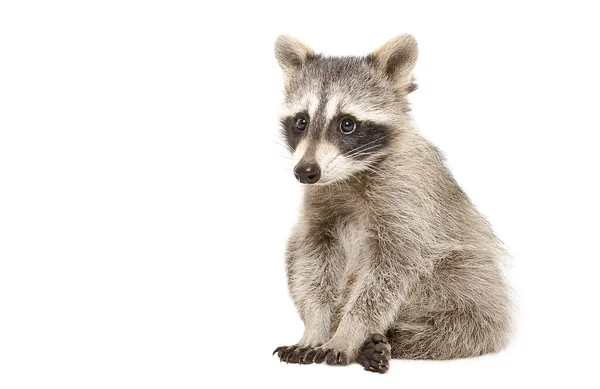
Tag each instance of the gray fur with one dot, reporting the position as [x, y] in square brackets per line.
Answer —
[390, 244]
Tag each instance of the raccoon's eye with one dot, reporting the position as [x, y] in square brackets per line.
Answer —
[301, 123]
[347, 125]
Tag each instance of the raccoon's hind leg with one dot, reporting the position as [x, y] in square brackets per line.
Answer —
[375, 354]
[463, 311]
[447, 335]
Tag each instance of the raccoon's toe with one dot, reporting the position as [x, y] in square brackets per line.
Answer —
[293, 354]
[376, 354]
[331, 357]
[307, 356]
[287, 354]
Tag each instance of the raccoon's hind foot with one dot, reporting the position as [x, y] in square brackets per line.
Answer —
[296, 354]
[375, 354]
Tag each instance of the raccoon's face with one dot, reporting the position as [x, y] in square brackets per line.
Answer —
[342, 113]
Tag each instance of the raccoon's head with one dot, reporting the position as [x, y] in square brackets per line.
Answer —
[341, 114]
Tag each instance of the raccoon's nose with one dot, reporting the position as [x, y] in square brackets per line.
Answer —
[307, 173]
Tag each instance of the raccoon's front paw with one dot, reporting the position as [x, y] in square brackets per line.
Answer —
[296, 354]
[375, 354]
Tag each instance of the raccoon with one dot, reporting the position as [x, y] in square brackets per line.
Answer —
[389, 258]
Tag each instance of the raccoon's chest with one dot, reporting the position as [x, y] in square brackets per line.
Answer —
[351, 238]
[343, 233]
[350, 241]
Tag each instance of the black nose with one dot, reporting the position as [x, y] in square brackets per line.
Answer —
[307, 173]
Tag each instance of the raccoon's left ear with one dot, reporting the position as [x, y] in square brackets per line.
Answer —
[292, 55]
[396, 58]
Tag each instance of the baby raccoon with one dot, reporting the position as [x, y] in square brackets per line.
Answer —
[389, 258]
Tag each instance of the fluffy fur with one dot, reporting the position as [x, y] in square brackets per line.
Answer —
[386, 242]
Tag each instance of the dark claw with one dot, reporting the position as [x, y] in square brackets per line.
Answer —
[343, 359]
[320, 356]
[288, 354]
[300, 352]
[282, 353]
[308, 357]
[293, 356]
[331, 358]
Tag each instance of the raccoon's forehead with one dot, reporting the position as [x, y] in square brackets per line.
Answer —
[333, 86]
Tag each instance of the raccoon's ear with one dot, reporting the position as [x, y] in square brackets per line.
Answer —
[396, 58]
[291, 55]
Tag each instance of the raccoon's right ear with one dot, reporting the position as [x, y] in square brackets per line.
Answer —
[396, 58]
[292, 55]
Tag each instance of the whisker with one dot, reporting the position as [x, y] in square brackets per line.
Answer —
[358, 149]
[362, 146]
[363, 151]
[284, 145]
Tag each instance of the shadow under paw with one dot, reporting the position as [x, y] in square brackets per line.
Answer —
[375, 354]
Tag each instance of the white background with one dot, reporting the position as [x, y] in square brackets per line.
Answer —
[145, 200]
